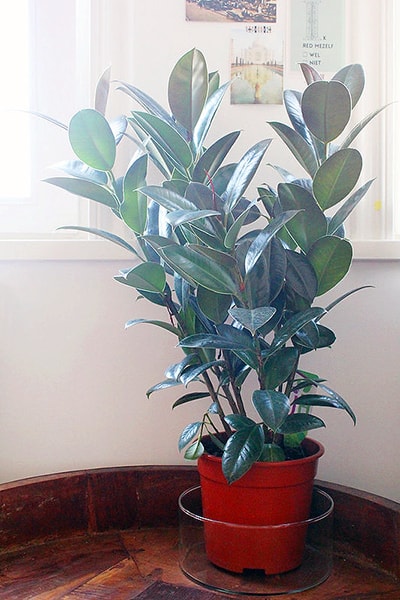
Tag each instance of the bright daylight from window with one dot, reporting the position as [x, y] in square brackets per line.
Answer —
[15, 138]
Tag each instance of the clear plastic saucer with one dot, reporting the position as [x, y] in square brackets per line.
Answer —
[315, 568]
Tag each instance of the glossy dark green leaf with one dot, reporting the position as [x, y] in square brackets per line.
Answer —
[194, 451]
[243, 174]
[300, 276]
[326, 107]
[253, 319]
[189, 398]
[336, 177]
[102, 91]
[149, 277]
[193, 373]
[310, 222]
[162, 324]
[242, 450]
[239, 421]
[188, 434]
[298, 146]
[80, 170]
[202, 126]
[168, 198]
[299, 422]
[188, 88]
[214, 306]
[310, 74]
[331, 258]
[180, 217]
[168, 140]
[86, 189]
[273, 407]
[92, 139]
[175, 371]
[279, 367]
[211, 271]
[341, 402]
[134, 207]
[147, 102]
[272, 453]
[353, 77]
[293, 325]
[265, 237]
[211, 160]
[162, 385]
[232, 339]
[111, 237]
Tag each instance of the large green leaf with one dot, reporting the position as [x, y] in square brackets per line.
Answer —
[331, 258]
[299, 422]
[188, 434]
[111, 237]
[92, 139]
[265, 237]
[300, 276]
[102, 91]
[168, 198]
[161, 324]
[86, 189]
[215, 271]
[273, 407]
[211, 160]
[134, 207]
[149, 277]
[253, 319]
[243, 174]
[189, 398]
[214, 306]
[206, 117]
[353, 77]
[279, 367]
[293, 325]
[241, 451]
[299, 147]
[188, 88]
[168, 140]
[336, 177]
[310, 223]
[326, 107]
[230, 339]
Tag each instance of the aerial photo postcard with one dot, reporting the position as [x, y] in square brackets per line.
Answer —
[246, 11]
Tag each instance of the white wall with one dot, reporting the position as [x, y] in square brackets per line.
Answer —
[73, 380]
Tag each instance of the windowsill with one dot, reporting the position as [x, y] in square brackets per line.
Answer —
[104, 250]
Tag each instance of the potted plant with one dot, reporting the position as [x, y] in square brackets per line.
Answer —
[241, 280]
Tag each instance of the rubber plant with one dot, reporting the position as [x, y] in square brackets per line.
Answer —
[242, 281]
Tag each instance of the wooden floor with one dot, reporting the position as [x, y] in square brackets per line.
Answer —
[112, 534]
[127, 564]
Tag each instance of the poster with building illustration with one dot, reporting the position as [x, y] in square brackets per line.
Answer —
[228, 11]
[257, 66]
[317, 34]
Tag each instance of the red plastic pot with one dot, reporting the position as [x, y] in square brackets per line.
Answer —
[257, 522]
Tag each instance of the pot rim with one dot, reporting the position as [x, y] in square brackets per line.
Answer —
[280, 464]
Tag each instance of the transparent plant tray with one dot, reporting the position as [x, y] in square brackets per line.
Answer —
[315, 568]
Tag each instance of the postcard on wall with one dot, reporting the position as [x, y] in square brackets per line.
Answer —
[257, 66]
[317, 34]
[228, 11]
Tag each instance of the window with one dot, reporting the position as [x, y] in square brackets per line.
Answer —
[53, 53]
[39, 65]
